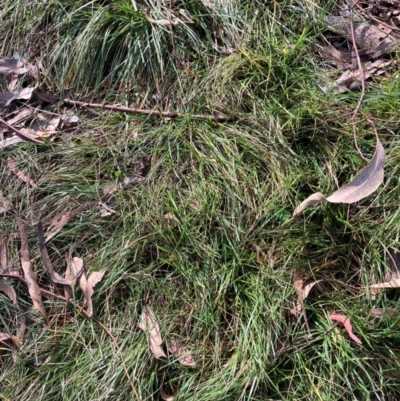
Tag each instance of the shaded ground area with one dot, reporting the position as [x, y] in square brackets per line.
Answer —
[219, 119]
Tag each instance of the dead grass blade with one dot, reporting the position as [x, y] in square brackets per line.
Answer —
[44, 255]
[148, 323]
[364, 184]
[23, 177]
[33, 288]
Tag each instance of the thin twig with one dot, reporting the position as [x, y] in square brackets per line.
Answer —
[148, 112]
[18, 132]
[70, 301]
[360, 67]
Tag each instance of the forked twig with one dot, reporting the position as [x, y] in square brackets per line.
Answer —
[100, 324]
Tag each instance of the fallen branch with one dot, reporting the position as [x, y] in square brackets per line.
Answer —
[100, 324]
[148, 112]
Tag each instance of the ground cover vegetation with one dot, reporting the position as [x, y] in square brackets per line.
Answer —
[195, 228]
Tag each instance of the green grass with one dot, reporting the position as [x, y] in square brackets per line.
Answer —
[213, 252]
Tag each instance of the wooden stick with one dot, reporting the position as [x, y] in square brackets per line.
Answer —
[148, 112]
[18, 132]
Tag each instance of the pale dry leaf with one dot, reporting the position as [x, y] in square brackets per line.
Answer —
[13, 84]
[4, 337]
[304, 294]
[20, 94]
[9, 291]
[148, 323]
[370, 68]
[42, 127]
[392, 275]
[87, 288]
[369, 38]
[12, 66]
[94, 279]
[385, 312]
[180, 352]
[44, 256]
[11, 141]
[364, 184]
[33, 288]
[23, 177]
[168, 397]
[22, 115]
[73, 272]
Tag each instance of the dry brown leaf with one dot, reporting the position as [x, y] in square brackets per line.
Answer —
[148, 323]
[369, 38]
[301, 296]
[168, 397]
[364, 184]
[33, 288]
[23, 177]
[12, 66]
[392, 275]
[73, 272]
[181, 353]
[8, 97]
[44, 255]
[387, 312]
[4, 337]
[22, 115]
[11, 141]
[9, 291]
[87, 288]
[42, 127]
[370, 68]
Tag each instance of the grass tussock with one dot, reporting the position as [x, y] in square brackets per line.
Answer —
[207, 238]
